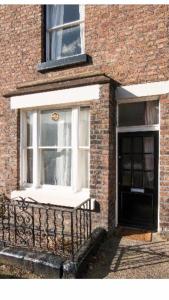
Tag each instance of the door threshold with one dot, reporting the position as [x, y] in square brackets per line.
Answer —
[132, 233]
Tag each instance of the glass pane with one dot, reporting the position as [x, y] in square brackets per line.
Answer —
[84, 127]
[149, 162]
[29, 165]
[137, 162]
[29, 116]
[64, 42]
[54, 15]
[55, 128]
[138, 179]
[61, 14]
[139, 113]
[126, 178]
[131, 114]
[71, 13]
[126, 145]
[55, 44]
[84, 169]
[126, 162]
[152, 113]
[148, 144]
[56, 167]
[71, 42]
[137, 145]
[149, 180]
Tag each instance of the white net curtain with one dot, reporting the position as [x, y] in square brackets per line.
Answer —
[56, 162]
[151, 112]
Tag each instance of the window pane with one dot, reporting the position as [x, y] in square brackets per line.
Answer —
[126, 180]
[139, 113]
[126, 145]
[56, 167]
[54, 15]
[55, 132]
[55, 44]
[137, 144]
[149, 162]
[83, 167]
[137, 162]
[84, 127]
[148, 144]
[64, 42]
[29, 165]
[149, 180]
[61, 14]
[152, 113]
[71, 13]
[126, 162]
[138, 179]
[131, 114]
[71, 42]
[29, 116]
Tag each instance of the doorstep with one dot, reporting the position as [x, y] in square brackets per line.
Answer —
[134, 233]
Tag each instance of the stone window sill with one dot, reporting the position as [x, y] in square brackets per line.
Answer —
[62, 63]
[59, 196]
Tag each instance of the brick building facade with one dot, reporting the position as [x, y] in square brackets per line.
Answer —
[124, 60]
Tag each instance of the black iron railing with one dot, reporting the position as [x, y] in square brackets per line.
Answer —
[60, 230]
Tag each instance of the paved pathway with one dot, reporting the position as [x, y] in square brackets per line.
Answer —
[123, 258]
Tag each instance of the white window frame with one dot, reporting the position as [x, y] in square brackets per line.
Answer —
[75, 169]
[67, 25]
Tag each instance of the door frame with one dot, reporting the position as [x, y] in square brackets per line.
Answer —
[140, 128]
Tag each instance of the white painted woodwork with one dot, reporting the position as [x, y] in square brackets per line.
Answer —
[66, 96]
[142, 90]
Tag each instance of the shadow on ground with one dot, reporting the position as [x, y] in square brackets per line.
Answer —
[8, 277]
[123, 258]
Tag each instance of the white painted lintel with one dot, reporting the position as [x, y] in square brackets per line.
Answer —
[66, 96]
[142, 90]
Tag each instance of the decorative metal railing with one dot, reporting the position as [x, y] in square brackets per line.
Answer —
[60, 230]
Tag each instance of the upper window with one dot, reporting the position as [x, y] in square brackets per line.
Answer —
[64, 31]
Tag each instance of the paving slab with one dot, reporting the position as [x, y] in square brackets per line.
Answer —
[119, 257]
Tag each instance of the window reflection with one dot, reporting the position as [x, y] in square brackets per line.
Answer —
[139, 113]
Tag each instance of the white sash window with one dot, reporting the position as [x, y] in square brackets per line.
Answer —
[64, 31]
[55, 148]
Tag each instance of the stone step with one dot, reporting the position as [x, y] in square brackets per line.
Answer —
[134, 234]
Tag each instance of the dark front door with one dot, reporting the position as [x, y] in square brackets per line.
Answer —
[138, 179]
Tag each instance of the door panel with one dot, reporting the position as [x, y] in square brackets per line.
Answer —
[137, 208]
[138, 179]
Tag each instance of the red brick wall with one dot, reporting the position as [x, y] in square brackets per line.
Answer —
[129, 43]
[103, 157]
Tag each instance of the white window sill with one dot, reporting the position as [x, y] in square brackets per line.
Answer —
[62, 196]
